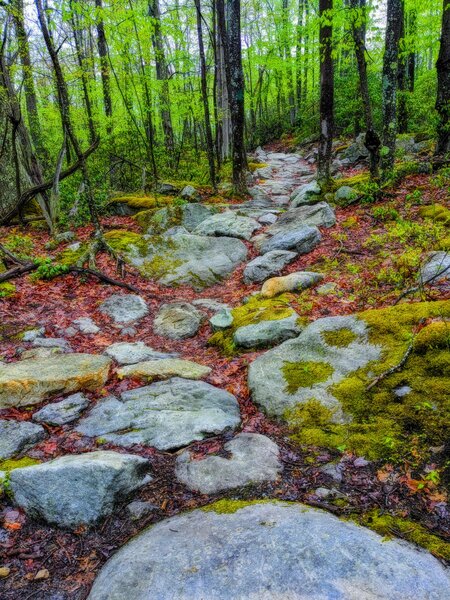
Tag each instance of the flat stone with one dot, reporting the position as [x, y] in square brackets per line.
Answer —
[124, 308]
[436, 269]
[268, 219]
[228, 224]
[65, 411]
[177, 321]
[307, 193]
[320, 215]
[129, 353]
[221, 320]
[271, 263]
[189, 193]
[16, 436]
[254, 459]
[52, 343]
[32, 334]
[40, 353]
[164, 369]
[293, 282]
[267, 333]
[32, 381]
[166, 414]
[326, 289]
[86, 325]
[268, 551]
[76, 490]
[209, 304]
[168, 218]
[303, 239]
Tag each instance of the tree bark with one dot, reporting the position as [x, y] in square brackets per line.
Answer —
[102, 47]
[326, 91]
[443, 88]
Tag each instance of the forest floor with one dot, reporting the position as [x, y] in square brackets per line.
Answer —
[372, 255]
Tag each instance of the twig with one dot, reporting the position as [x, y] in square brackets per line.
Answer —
[422, 284]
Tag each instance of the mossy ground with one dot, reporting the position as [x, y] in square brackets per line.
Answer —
[341, 338]
[7, 289]
[229, 506]
[386, 425]
[256, 310]
[305, 374]
[138, 202]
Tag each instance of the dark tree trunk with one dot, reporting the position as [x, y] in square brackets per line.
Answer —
[104, 67]
[443, 89]
[208, 132]
[402, 84]
[326, 91]
[372, 141]
[389, 83]
[298, 57]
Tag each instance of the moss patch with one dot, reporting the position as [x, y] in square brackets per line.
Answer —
[10, 465]
[436, 212]
[7, 289]
[229, 507]
[143, 202]
[305, 374]
[256, 310]
[389, 526]
[341, 338]
[122, 240]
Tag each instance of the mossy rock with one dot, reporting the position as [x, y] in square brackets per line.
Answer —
[320, 382]
[436, 212]
[133, 203]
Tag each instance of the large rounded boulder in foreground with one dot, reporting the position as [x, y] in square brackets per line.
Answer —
[267, 551]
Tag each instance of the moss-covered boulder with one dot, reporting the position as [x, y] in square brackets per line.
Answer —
[376, 383]
[184, 215]
[180, 259]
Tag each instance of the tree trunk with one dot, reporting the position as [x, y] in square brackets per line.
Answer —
[208, 132]
[326, 91]
[102, 47]
[389, 83]
[443, 88]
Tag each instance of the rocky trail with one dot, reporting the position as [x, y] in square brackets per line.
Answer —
[252, 403]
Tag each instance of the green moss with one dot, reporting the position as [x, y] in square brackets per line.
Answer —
[353, 182]
[121, 240]
[305, 374]
[10, 465]
[229, 507]
[256, 310]
[143, 202]
[436, 212]
[341, 338]
[7, 289]
[434, 335]
[389, 526]
[158, 266]
[71, 257]
[254, 166]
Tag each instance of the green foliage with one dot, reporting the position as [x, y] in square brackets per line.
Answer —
[48, 269]
[20, 245]
[7, 289]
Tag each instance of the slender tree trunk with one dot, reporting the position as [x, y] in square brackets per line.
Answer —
[402, 82]
[372, 141]
[326, 91]
[306, 55]
[208, 132]
[389, 83]
[298, 57]
[443, 89]
[102, 47]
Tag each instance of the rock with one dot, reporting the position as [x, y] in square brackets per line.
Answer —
[86, 325]
[221, 320]
[263, 173]
[164, 369]
[190, 193]
[40, 353]
[267, 551]
[269, 264]
[228, 224]
[32, 334]
[268, 219]
[124, 308]
[168, 188]
[259, 194]
[308, 193]
[303, 239]
[254, 459]
[323, 493]
[402, 391]
[4, 572]
[76, 490]
[16, 436]
[177, 321]
[360, 462]
[186, 259]
[187, 216]
[312, 365]
[131, 331]
[64, 237]
[53, 343]
[209, 304]
[436, 269]
[345, 194]
[129, 353]
[70, 332]
[32, 381]
[166, 414]
[138, 509]
[65, 411]
[326, 289]
[267, 333]
[290, 283]
[320, 215]
[333, 470]
[357, 150]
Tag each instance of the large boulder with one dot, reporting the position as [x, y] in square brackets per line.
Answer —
[16, 436]
[267, 265]
[187, 216]
[308, 193]
[124, 308]
[183, 258]
[31, 381]
[177, 320]
[167, 414]
[436, 268]
[79, 489]
[267, 333]
[302, 239]
[253, 458]
[228, 224]
[267, 551]
[319, 215]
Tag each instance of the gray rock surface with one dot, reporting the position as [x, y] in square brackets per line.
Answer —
[187, 216]
[16, 436]
[267, 333]
[164, 369]
[139, 509]
[308, 193]
[268, 551]
[345, 194]
[52, 343]
[267, 374]
[254, 458]
[228, 224]
[177, 320]
[294, 282]
[189, 193]
[65, 411]
[301, 239]
[32, 334]
[221, 320]
[86, 325]
[209, 304]
[167, 414]
[320, 215]
[124, 308]
[267, 265]
[78, 489]
[129, 353]
[436, 268]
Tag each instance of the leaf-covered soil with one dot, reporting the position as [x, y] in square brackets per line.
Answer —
[372, 255]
